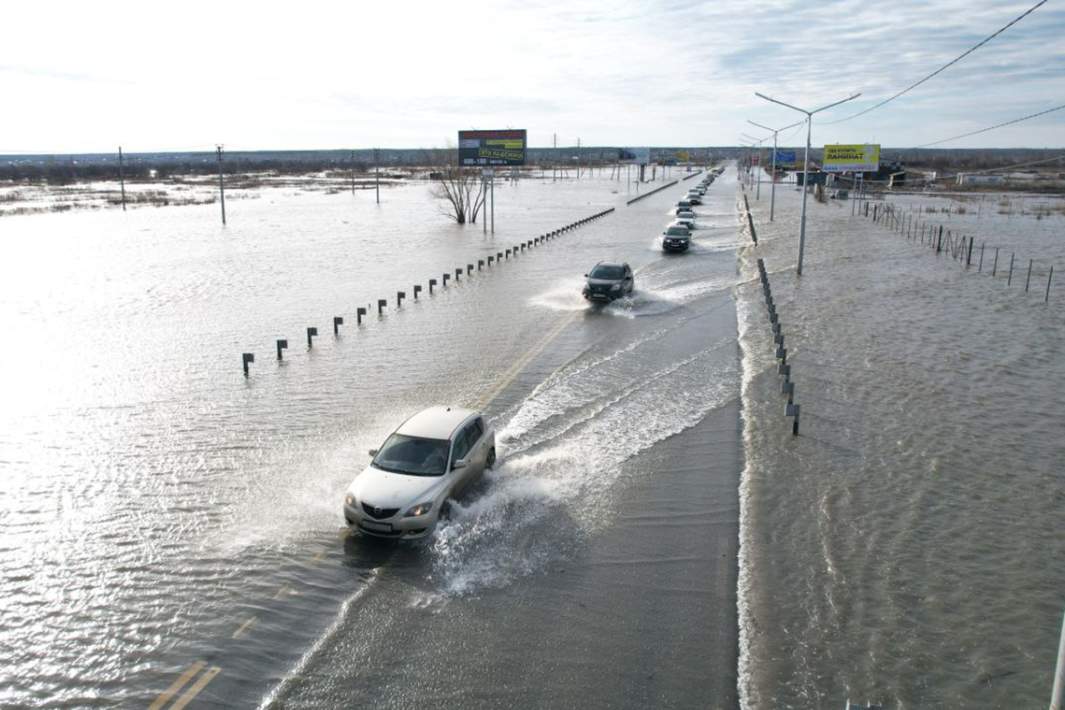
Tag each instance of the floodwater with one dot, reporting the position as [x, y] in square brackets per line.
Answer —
[907, 547]
[171, 531]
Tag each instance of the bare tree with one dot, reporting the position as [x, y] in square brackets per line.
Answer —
[460, 190]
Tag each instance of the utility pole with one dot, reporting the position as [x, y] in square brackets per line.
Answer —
[377, 174]
[805, 162]
[121, 179]
[492, 188]
[554, 153]
[353, 173]
[221, 186]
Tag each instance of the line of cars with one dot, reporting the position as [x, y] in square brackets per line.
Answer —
[436, 454]
[677, 236]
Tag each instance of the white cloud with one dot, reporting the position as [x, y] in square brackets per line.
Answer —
[318, 75]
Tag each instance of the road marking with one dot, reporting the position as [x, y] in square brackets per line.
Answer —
[511, 374]
[284, 591]
[196, 688]
[320, 555]
[251, 621]
[177, 685]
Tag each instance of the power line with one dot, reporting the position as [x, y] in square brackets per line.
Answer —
[991, 128]
[949, 64]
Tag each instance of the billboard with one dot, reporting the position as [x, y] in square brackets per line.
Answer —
[787, 158]
[640, 156]
[492, 147]
[854, 158]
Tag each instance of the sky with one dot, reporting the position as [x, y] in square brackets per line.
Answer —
[88, 77]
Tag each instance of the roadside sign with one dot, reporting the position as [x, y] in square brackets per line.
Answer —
[492, 147]
[639, 156]
[786, 158]
[855, 158]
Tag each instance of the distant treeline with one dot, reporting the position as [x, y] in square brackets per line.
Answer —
[64, 172]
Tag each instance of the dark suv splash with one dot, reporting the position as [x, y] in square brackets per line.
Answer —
[608, 281]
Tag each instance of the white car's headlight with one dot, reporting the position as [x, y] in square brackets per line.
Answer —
[420, 509]
[615, 287]
[349, 500]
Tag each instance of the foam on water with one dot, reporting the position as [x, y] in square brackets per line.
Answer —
[564, 448]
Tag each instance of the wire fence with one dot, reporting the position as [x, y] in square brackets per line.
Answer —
[1036, 272]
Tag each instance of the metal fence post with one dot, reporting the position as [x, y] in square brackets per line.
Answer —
[1057, 696]
[1046, 298]
[1009, 279]
[1028, 278]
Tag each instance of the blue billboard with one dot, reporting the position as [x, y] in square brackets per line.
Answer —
[786, 158]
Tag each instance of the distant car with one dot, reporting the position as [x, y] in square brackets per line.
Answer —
[424, 463]
[676, 238]
[694, 199]
[681, 210]
[685, 222]
[607, 281]
[686, 214]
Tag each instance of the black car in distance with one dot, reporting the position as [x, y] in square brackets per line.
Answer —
[676, 238]
[607, 281]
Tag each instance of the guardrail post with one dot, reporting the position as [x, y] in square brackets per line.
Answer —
[247, 358]
[1046, 297]
[311, 332]
[381, 303]
[359, 313]
[1028, 278]
[282, 344]
[417, 289]
[432, 282]
[400, 295]
[458, 274]
[1009, 279]
[994, 266]
[980, 268]
[969, 256]
[480, 264]
[337, 322]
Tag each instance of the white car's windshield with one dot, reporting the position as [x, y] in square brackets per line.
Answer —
[412, 455]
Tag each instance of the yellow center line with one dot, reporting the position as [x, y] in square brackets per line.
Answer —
[250, 622]
[518, 366]
[199, 685]
[177, 685]
[320, 555]
[284, 591]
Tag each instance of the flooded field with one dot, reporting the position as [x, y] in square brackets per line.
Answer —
[906, 548]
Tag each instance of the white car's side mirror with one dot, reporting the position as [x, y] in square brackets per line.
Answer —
[457, 464]
[372, 452]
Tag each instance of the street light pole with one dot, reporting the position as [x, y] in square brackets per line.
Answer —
[805, 162]
[758, 172]
[773, 173]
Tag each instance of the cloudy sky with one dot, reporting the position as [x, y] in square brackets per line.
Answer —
[81, 77]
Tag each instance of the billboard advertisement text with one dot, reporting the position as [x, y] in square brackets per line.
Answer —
[853, 158]
[787, 158]
[492, 147]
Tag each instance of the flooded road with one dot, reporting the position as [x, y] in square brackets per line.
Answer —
[172, 531]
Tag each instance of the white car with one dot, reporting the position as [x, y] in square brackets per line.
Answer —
[687, 223]
[428, 460]
[685, 214]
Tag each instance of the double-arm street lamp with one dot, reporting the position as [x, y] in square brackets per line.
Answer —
[805, 161]
[758, 171]
[773, 171]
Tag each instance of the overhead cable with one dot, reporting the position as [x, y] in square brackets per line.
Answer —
[952, 62]
[991, 128]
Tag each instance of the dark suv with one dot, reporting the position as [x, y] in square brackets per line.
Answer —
[608, 281]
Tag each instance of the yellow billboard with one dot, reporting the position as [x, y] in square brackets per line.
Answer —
[854, 158]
